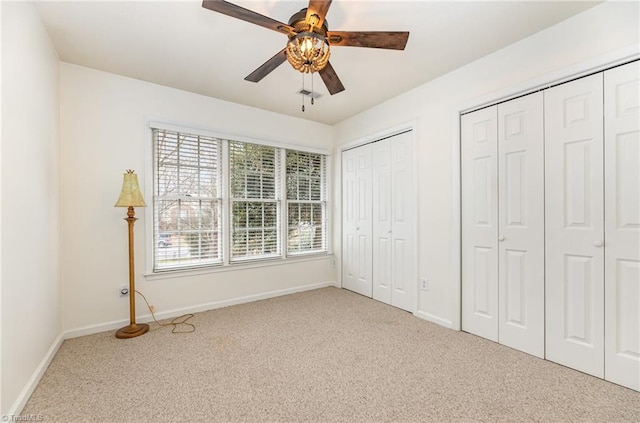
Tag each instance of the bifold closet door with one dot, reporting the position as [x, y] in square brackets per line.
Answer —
[574, 279]
[480, 223]
[394, 251]
[622, 225]
[503, 223]
[356, 220]
[521, 224]
[404, 229]
[382, 222]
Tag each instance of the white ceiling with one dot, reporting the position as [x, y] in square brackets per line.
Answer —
[182, 45]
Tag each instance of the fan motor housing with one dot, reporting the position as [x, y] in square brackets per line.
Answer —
[299, 22]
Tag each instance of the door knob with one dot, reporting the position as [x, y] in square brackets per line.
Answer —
[500, 238]
[598, 244]
[389, 232]
[358, 228]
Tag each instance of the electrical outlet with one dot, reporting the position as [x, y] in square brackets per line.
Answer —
[424, 284]
[124, 290]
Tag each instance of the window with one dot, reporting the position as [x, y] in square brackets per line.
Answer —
[254, 171]
[186, 202]
[306, 202]
[218, 202]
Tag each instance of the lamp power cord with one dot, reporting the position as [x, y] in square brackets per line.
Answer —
[176, 322]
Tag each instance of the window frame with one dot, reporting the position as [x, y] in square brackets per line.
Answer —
[180, 198]
[277, 200]
[226, 264]
[323, 202]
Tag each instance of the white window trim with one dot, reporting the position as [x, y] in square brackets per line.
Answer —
[159, 123]
[237, 264]
[253, 264]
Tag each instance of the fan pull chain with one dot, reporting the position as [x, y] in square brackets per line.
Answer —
[302, 93]
[312, 99]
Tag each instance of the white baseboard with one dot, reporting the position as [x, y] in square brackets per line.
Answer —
[103, 327]
[434, 319]
[33, 381]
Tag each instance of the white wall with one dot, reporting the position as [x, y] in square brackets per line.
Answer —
[30, 276]
[103, 132]
[435, 107]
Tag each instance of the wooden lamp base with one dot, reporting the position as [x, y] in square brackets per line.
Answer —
[133, 330]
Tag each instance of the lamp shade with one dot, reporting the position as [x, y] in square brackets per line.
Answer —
[130, 195]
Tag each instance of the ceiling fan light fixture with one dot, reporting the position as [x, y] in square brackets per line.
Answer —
[308, 52]
[308, 47]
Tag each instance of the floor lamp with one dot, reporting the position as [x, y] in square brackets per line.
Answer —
[131, 197]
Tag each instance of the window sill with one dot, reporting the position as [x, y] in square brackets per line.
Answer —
[179, 273]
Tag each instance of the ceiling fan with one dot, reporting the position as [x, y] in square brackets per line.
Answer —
[308, 48]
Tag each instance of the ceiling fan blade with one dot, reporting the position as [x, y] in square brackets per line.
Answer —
[331, 80]
[267, 67]
[373, 39]
[247, 15]
[320, 8]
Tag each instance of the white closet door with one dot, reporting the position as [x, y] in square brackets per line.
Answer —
[382, 236]
[521, 224]
[622, 225]
[394, 230]
[479, 223]
[403, 228]
[357, 221]
[574, 225]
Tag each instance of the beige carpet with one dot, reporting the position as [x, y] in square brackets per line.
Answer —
[326, 356]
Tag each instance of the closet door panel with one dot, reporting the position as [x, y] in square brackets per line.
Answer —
[382, 236]
[479, 223]
[521, 224]
[357, 220]
[349, 224]
[403, 228]
[574, 275]
[622, 225]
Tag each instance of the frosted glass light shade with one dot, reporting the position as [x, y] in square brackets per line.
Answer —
[130, 195]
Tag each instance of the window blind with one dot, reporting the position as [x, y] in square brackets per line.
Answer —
[254, 173]
[198, 223]
[187, 200]
[306, 202]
